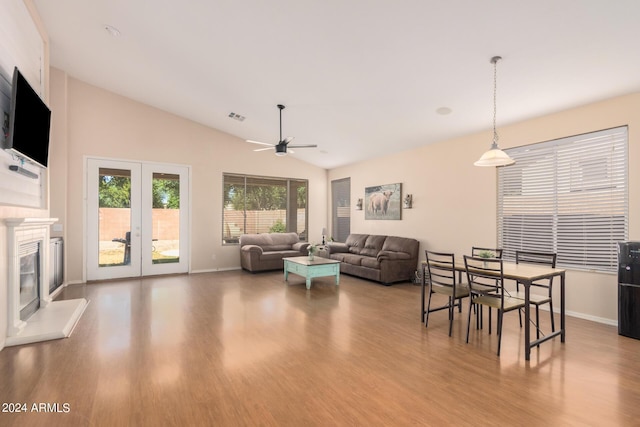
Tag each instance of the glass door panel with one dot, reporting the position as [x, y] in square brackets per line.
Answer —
[165, 204]
[113, 219]
[165, 217]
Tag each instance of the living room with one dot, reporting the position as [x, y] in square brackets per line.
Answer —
[454, 203]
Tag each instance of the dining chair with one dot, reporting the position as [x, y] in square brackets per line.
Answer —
[482, 253]
[540, 258]
[477, 251]
[442, 280]
[485, 277]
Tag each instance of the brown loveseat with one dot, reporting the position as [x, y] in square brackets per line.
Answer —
[386, 259]
[262, 252]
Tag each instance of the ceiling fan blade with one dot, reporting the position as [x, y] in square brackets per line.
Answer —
[258, 142]
[288, 139]
[303, 146]
[263, 149]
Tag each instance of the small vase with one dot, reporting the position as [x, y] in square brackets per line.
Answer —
[310, 257]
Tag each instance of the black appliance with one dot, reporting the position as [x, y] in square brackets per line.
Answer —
[629, 289]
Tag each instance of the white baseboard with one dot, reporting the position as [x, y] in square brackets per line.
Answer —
[215, 270]
[579, 315]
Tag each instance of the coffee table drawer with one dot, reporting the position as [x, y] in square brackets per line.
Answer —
[324, 270]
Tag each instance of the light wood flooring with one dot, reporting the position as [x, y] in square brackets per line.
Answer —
[240, 349]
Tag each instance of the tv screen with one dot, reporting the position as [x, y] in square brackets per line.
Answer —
[29, 122]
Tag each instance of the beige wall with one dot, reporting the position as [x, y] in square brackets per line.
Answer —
[454, 202]
[102, 124]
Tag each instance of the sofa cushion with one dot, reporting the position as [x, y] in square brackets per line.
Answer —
[261, 240]
[370, 262]
[284, 239]
[355, 242]
[399, 244]
[373, 245]
[272, 248]
[348, 258]
[266, 256]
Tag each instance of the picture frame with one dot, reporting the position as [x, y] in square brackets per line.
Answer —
[383, 202]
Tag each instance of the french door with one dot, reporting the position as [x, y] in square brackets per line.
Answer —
[137, 219]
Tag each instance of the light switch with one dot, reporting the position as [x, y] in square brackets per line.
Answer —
[57, 228]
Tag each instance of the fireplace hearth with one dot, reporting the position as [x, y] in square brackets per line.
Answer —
[32, 316]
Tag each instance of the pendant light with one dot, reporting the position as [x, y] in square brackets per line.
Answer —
[495, 156]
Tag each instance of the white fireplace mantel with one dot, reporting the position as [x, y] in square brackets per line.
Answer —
[39, 326]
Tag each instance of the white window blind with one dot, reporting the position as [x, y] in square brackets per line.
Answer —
[568, 196]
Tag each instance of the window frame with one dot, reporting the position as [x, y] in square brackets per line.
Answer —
[245, 178]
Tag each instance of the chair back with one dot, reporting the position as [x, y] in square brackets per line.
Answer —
[542, 258]
[477, 251]
[539, 258]
[485, 276]
[440, 268]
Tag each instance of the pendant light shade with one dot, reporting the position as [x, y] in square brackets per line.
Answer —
[495, 156]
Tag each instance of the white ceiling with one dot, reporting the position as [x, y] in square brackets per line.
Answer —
[360, 78]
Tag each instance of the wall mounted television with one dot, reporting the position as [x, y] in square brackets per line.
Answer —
[29, 123]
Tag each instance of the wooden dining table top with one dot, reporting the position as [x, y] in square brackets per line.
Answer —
[511, 270]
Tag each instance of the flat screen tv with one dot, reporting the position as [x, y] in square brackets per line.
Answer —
[29, 123]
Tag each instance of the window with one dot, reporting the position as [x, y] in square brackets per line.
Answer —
[254, 204]
[341, 209]
[568, 196]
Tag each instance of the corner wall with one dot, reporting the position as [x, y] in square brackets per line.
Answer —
[454, 202]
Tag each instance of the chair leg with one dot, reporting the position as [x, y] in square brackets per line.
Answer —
[499, 330]
[553, 323]
[537, 322]
[426, 315]
[451, 307]
[469, 318]
[520, 316]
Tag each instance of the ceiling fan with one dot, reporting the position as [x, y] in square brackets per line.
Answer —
[281, 146]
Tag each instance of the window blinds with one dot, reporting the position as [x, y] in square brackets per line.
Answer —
[568, 196]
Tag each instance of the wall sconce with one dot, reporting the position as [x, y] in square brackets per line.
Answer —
[408, 201]
[359, 205]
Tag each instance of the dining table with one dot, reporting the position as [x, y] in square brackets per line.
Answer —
[525, 274]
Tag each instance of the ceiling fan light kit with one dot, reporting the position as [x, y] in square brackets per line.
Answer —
[281, 146]
[495, 156]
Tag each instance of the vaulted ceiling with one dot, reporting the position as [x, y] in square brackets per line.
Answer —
[359, 78]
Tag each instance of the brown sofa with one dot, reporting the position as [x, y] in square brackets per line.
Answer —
[262, 252]
[386, 259]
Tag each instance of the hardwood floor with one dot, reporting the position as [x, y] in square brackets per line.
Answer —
[240, 349]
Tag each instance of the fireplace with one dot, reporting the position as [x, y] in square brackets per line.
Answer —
[31, 314]
[30, 277]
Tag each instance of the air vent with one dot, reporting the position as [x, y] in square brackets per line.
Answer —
[236, 116]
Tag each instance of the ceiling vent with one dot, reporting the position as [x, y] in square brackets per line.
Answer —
[237, 117]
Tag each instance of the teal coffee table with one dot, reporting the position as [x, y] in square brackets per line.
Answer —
[319, 267]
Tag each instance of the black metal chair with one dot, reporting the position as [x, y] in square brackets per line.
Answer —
[441, 279]
[477, 251]
[540, 258]
[127, 247]
[486, 287]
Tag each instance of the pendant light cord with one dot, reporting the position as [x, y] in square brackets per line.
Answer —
[495, 60]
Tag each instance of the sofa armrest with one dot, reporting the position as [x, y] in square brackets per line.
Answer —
[252, 248]
[337, 247]
[392, 255]
[302, 247]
